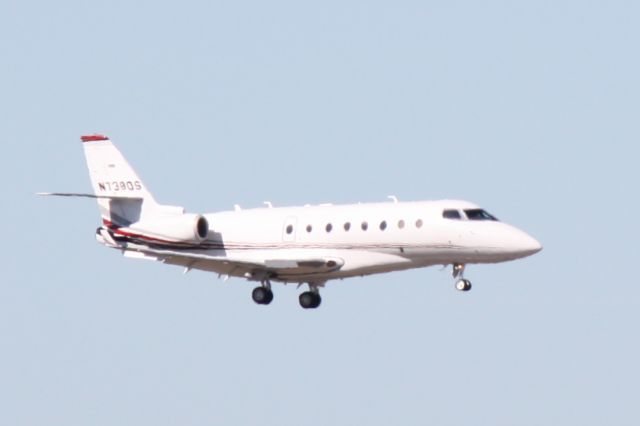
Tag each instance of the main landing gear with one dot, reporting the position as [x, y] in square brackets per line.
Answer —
[458, 274]
[311, 299]
[262, 295]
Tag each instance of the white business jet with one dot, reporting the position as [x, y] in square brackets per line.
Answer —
[304, 245]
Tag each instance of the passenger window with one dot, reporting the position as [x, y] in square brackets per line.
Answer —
[451, 214]
[329, 227]
[289, 229]
[309, 228]
[419, 223]
[401, 224]
[347, 226]
[364, 226]
[383, 225]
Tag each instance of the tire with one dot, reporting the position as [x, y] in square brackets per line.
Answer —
[262, 295]
[269, 297]
[307, 300]
[316, 300]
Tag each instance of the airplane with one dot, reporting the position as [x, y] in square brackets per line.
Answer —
[310, 245]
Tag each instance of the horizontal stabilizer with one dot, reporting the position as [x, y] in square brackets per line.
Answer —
[75, 194]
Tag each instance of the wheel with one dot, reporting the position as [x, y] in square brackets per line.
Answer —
[269, 297]
[316, 300]
[262, 295]
[310, 300]
[463, 285]
[306, 299]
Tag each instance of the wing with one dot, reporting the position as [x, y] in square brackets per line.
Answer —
[254, 265]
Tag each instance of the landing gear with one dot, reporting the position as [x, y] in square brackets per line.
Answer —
[458, 274]
[310, 300]
[262, 295]
[463, 285]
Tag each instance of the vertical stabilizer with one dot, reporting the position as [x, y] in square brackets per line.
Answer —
[122, 196]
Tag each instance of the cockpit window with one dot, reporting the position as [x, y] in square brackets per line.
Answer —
[478, 214]
[451, 214]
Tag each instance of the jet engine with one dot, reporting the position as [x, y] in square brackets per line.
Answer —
[185, 228]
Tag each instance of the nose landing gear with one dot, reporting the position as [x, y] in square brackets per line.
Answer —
[458, 274]
[463, 285]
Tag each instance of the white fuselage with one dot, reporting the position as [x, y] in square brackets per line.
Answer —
[309, 244]
[363, 238]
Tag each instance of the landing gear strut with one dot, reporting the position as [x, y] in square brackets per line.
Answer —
[458, 274]
[262, 295]
[310, 299]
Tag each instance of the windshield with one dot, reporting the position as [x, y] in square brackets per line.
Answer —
[478, 214]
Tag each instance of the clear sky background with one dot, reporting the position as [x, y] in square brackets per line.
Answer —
[530, 109]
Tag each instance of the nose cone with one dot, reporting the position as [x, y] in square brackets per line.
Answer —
[503, 242]
[529, 245]
[522, 244]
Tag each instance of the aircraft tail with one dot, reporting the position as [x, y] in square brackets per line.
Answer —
[122, 196]
[125, 201]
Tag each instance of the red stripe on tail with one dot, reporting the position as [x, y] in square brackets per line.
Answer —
[92, 138]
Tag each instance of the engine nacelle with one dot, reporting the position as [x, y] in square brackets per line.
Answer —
[191, 228]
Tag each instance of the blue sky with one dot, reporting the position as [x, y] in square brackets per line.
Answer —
[527, 108]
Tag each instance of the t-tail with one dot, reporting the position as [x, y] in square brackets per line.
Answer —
[126, 205]
[122, 196]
